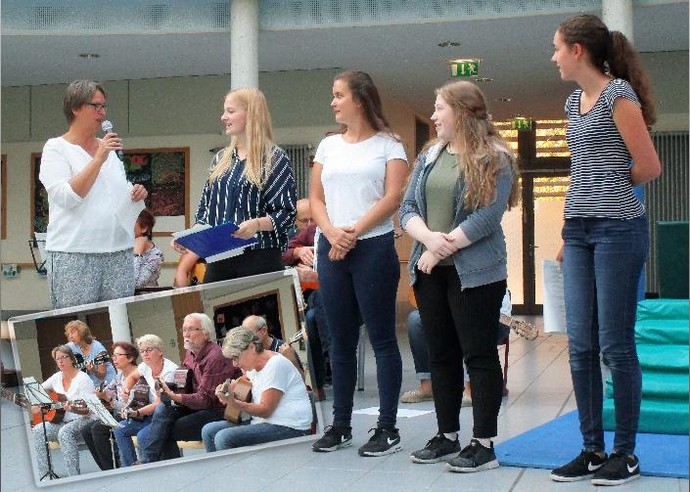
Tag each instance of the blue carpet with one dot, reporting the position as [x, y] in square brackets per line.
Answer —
[555, 443]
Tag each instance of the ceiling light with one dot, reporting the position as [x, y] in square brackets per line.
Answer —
[503, 99]
[483, 79]
[89, 56]
[449, 44]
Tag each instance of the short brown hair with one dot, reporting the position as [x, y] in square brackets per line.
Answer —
[77, 94]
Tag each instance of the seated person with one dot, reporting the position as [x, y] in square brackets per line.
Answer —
[148, 258]
[190, 270]
[74, 385]
[185, 414]
[84, 346]
[96, 434]
[143, 379]
[258, 326]
[319, 343]
[420, 357]
[280, 407]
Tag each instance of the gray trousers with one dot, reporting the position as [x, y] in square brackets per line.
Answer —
[83, 278]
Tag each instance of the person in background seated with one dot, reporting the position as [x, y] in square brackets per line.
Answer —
[420, 356]
[300, 249]
[280, 407]
[74, 385]
[85, 346]
[153, 366]
[148, 258]
[97, 435]
[189, 270]
[258, 325]
[184, 416]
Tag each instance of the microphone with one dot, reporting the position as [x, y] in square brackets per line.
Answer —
[107, 127]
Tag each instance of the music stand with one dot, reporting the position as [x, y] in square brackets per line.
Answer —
[38, 396]
[94, 404]
[39, 243]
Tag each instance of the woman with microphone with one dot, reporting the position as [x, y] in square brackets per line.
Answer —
[88, 246]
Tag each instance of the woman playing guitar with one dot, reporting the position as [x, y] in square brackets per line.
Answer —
[72, 385]
[82, 343]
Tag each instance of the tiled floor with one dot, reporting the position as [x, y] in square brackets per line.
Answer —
[540, 390]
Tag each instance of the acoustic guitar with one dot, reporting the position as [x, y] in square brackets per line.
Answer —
[242, 392]
[57, 412]
[102, 358]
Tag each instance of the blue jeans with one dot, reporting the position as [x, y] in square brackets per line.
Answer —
[319, 338]
[602, 263]
[366, 282]
[419, 346]
[123, 437]
[226, 435]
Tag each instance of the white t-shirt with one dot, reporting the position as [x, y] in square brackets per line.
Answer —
[89, 224]
[80, 387]
[353, 177]
[294, 408]
[168, 367]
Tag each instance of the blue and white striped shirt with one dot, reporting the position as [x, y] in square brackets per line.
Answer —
[600, 183]
[275, 200]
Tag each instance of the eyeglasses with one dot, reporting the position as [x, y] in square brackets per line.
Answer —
[121, 355]
[98, 106]
[146, 350]
[62, 357]
[236, 357]
[187, 330]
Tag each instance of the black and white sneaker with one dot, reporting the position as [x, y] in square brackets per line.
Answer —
[618, 469]
[333, 438]
[474, 458]
[436, 449]
[383, 442]
[582, 467]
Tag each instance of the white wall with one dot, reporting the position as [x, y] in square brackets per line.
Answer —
[154, 113]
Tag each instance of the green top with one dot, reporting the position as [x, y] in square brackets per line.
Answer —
[440, 188]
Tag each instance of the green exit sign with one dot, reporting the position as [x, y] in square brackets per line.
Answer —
[522, 123]
[464, 68]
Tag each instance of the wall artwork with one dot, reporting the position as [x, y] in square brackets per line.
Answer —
[163, 172]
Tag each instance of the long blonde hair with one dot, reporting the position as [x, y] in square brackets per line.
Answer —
[259, 138]
[479, 144]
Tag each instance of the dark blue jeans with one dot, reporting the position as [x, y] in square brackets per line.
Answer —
[318, 336]
[602, 262]
[172, 423]
[366, 282]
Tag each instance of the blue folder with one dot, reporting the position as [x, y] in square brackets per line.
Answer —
[213, 243]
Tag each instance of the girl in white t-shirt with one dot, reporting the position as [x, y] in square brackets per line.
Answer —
[356, 187]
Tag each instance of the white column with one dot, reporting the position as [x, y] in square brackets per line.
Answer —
[119, 322]
[244, 44]
[618, 16]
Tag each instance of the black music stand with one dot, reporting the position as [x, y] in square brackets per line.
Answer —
[39, 243]
[36, 395]
[94, 404]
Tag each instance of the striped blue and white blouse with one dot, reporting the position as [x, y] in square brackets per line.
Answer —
[600, 183]
[276, 199]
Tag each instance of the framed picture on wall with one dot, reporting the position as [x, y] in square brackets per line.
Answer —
[163, 172]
